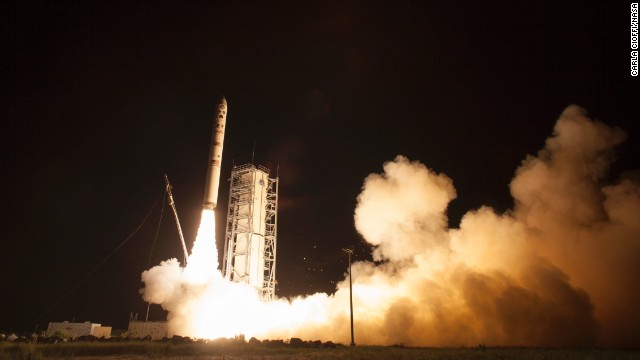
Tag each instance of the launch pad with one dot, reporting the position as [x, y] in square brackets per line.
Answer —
[250, 239]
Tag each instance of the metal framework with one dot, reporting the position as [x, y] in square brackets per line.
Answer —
[250, 238]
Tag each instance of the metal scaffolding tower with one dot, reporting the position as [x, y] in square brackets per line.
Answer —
[250, 238]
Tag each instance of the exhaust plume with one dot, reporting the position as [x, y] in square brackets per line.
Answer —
[562, 268]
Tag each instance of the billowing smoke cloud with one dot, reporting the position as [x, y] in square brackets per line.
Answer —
[562, 268]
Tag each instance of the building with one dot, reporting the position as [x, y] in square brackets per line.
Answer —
[250, 238]
[75, 330]
[154, 329]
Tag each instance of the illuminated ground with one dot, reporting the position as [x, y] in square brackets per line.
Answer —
[232, 351]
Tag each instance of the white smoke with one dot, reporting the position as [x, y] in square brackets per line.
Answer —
[560, 269]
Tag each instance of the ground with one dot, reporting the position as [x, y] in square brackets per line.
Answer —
[135, 351]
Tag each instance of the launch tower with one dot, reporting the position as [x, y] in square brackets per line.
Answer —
[250, 238]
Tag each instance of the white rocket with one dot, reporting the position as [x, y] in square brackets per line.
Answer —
[215, 157]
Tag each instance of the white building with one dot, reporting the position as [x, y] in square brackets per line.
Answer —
[78, 329]
[155, 329]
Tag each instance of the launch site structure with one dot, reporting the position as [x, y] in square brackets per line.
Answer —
[250, 238]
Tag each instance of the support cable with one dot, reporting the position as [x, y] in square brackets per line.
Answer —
[154, 243]
[88, 275]
[158, 229]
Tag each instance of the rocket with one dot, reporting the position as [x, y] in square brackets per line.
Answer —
[215, 157]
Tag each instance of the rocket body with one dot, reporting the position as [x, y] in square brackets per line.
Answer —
[215, 157]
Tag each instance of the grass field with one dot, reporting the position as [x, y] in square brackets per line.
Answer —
[240, 351]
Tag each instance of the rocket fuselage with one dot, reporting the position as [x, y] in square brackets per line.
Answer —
[215, 157]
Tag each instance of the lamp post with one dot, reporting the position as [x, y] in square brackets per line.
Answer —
[350, 252]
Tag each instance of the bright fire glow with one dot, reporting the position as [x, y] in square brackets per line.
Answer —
[562, 268]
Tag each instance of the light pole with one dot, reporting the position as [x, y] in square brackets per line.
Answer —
[350, 252]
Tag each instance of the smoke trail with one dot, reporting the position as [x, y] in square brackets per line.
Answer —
[562, 268]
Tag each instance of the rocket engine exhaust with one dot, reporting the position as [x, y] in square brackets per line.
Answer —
[215, 157]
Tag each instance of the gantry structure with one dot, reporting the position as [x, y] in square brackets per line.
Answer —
[251, 233]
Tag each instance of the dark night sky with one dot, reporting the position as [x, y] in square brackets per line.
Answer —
[103, 97]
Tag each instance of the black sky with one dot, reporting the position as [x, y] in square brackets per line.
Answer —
[103, 97]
